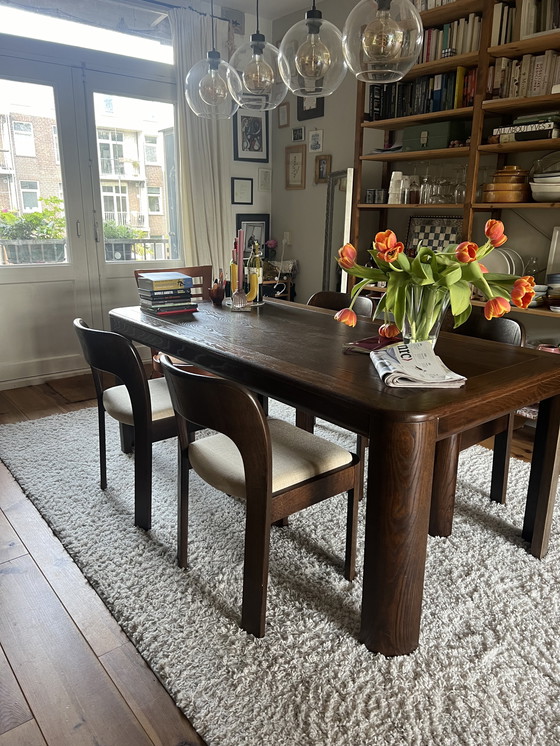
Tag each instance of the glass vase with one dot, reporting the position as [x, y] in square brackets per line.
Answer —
[425, 308]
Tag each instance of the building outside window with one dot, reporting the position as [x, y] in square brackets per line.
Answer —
[154, 200]
[55, 143]
[111, 153]
[29, 195]
[150, 149]
[24, 142]
[115, 203]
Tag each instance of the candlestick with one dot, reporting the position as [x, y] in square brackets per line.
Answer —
[240, 251]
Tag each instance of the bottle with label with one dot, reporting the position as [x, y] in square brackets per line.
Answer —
[233, 269]
[255, 274]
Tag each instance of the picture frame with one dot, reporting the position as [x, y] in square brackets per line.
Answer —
[316, 141]
[265, 180]
[310, 107]
[298, 134]
[284, 114]
[241, 191]
[250, 136]
[255, 227]
[322, 168]
[436, 232]
[553, 263]
[295, 166]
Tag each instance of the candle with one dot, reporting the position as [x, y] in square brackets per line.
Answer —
[240, 246]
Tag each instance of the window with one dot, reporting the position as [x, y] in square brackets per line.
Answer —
[29, 195]
[154, 199]
[111, 153]
[55, 143]
[150, 149]
[24, 142]
[115, 203]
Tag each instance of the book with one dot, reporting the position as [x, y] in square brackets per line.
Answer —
[368, 344]
[163, 280]
[166, 312]
[183, 292]
[167, 304]
[529, 127]
[413, 365]
[524, 75]
[532, 135]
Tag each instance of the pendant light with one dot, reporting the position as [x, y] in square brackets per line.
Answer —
[382, 39]
[257, 65]
[311, 58]
[209, 82]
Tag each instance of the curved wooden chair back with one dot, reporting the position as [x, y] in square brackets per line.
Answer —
[201, 276]
[337, 301]
[502, 329]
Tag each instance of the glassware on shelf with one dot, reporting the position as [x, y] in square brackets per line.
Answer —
[460, 190]
[426, 189]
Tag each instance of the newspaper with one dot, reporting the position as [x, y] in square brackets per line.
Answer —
[413, 365]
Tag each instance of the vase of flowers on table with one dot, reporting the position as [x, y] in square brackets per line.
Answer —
[419, 290]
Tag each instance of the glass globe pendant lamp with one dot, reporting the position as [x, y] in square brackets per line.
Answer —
[257, 65]
[381, 39]
[311, 59]
[209, 83]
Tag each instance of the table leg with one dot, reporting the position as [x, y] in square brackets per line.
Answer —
[397, 518]
[444, 485]
[543, 480]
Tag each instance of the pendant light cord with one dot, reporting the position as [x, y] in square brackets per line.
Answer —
[258, 31]
[212, 21]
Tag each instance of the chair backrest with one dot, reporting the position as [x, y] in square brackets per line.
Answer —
[201, 276]
[110, 352]
[500, 329]
[337, 301]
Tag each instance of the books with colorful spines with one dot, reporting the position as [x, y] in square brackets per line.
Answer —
[169, 312]
[183, 294]
[163, 280]
[146, 303]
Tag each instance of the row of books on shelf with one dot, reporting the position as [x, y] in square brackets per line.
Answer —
[538, 17]
[165, 293]
[459, 37]
[503, 22]
[532, 75]
[423, 5]
[423, 95]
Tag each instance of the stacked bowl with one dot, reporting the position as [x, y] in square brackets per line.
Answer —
[509, 184]
[545, 187]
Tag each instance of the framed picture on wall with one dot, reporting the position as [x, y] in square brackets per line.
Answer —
[295, 167]
[316, 141]
[250, 136]
[298, 134]
[322, 168]
[284, 114]
[255, 227]
[310, 107]
[241, 191]
[265, 180]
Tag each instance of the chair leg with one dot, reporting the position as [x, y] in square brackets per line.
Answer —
[143, 480]
[305, 421]
[255, 567]
[102, 448]
[500, 463]
[351, 534]
[361, 445]
[127, 438]
[182, 507]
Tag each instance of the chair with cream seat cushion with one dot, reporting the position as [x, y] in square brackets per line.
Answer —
[142, 408]
[275, 467]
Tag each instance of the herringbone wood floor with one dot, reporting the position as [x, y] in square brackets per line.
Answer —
[68, 675]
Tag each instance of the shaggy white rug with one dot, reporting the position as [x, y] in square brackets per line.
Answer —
[486, 672]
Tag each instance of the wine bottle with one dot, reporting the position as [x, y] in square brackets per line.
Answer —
[255, 274]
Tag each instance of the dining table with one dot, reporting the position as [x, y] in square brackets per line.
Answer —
[294, 353]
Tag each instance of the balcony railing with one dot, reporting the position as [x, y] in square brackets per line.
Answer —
[29, 251]
[132, 219]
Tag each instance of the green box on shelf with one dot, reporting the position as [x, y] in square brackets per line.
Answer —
[434, 135]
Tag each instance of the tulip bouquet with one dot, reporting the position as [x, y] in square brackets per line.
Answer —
[452, 271]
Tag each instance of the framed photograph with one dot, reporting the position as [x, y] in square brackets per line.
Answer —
[295, 167]
[250, 136]
[284, 114]
[553, 264]
[434, 232]
[316, 141]
[298, 134]
[310, 107]
[256, 228]
[322, 168]
[241, 191]
[265, 179]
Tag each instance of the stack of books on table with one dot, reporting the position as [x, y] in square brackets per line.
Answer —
[164, 293]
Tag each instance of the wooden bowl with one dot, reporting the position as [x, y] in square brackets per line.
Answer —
[504, 187]
[501, 195]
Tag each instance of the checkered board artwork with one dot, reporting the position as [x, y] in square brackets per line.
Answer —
[436, 233]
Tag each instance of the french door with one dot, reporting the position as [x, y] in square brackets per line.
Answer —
[87, 195]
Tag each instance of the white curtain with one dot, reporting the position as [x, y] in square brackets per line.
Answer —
[203, 151]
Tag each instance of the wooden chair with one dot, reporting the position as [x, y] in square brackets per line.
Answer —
[275, 467]
[200, 291]
[337, 301]
[143, 409]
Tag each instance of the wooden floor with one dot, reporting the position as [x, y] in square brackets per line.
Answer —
[68, 674]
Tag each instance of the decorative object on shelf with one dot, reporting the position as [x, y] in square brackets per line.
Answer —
[322, 168]
[250, 136]
[311, 60]
[316, 141]
[382, 40]
[257, 65]
[241, 191]
[437, 232]
[298, 134]
[209, 83]
[253, 228]
[295, 167]
[553, 264]
[449, 274]
[284, 115]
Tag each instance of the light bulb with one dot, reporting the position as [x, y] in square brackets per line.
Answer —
[313, 59]
[258, 76]
[213, 88]
[382, 38]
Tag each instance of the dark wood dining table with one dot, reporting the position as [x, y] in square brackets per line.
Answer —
[294, 353]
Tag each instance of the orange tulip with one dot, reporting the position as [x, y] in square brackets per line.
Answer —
[389, 331]
[346, 316]
[466, 252]
[494, 232]
[496, 307]
[347, 256]
[388, 248]
[483, 269]
[523, 291]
